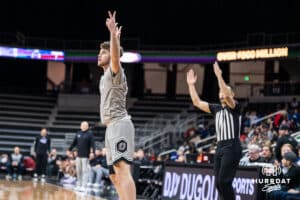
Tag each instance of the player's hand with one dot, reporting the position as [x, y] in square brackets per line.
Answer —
[217, 70]
[191, 77]
[112, 25]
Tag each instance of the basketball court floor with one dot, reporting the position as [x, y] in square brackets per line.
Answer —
[29, 190]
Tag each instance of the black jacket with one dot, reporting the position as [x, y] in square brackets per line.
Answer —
[42, 144]
[293, 174]
[99, 160]
[84, 142]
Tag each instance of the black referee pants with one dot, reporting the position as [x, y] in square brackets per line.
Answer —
[227, 157]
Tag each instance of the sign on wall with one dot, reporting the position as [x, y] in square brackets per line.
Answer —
[191, 182]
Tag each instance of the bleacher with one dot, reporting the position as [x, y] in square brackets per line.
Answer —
[23, 116]
[21, 119]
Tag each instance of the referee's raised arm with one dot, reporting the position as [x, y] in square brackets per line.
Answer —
[191, 79]
[224, 89]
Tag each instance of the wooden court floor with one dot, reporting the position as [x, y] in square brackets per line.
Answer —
[29, 190]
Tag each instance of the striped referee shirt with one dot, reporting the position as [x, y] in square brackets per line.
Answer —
[228, 121]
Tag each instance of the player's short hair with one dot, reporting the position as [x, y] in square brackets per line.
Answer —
[106, 45]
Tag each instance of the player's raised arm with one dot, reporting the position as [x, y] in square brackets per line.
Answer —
[191, 79]
[226, 90]
[115, 35]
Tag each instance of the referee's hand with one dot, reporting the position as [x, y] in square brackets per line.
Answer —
[191, 77]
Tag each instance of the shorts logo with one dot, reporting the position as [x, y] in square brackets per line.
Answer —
[122, 146]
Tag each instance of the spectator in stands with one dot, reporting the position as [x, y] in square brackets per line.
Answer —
[15, 164]
[265, 129]
[190, 132]
[141, 158]
[294, 117]
[98, 167]
[253, 156]
[286, 148]
[84, 141]
[267, 154]
[180, 155]
[284, 138]
[252, 117]
[3, 162]
[204, 130]
[262, 138]
[41, 149]
[52, 166]
[212, 149]
[294, 104]
[279, 117]
[292, 172]
[67, 172]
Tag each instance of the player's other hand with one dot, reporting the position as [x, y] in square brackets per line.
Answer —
[191, 77]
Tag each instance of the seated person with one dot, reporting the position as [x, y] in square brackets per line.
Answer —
[292, 172]
[141, 158]
[15, 164]
[267, 154]
[3, 162]
[52, 167]
[67, 172]
[98, 168]
[253, 157]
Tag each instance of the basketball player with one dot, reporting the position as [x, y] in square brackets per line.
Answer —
[228, 119]
[119, 136]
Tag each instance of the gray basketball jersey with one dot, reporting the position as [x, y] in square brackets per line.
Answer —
[113, 89]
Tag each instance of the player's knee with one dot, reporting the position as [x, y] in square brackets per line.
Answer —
[122, 166]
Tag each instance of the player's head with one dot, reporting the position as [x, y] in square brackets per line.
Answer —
[44, 132]
[104, 54]
[222, 95]
[84, 126]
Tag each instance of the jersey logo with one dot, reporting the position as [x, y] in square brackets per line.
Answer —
[121, 146]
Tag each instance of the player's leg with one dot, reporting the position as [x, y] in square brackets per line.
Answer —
[116, 183]
[112, 175]
[123, 174]
[122, 155]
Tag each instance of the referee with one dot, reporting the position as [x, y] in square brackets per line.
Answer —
[228, 120]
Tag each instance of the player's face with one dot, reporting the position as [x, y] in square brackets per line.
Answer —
[103, 58]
